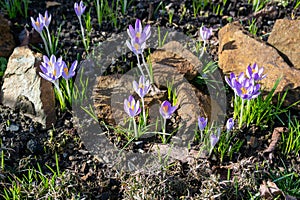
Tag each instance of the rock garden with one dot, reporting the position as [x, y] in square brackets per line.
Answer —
[194, 99]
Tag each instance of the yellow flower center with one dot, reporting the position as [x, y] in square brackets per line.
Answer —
[50, 63]
[141, 86]
[136, 46]
[138, 35]
[66, 71]
[54, 72]
[37, 24]
[244, 90]
[165, 109]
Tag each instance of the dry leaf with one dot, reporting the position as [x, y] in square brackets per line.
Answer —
[274, 189]
[264, 191]
[269, 190]
[275, 138]
[52, 3]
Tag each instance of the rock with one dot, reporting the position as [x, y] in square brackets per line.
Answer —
[23, 88]
[285, 37]
[238, 49]
[175, 55]
[7, 42]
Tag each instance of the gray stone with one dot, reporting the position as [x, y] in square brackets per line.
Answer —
[25, 90]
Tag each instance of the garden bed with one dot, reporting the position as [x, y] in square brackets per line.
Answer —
[90, 153]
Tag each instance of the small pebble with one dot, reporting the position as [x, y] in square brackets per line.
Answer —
[14, 127]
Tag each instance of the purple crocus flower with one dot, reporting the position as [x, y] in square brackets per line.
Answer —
[214, 138]
[247, 89]
[136, 47]
[255, 73]
[38, 25]
[205, 33]
[141, 88]
[79, 8]
[51, 68]
[166, 109]
[131, 107]
[232, 80]
[69, 73]
[137, 33]
[46, 19]
[202, 123]
[229, 124]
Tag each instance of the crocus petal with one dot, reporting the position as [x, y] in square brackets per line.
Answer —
[202, 123]
[147, 31]
[129, 46]
[213, 140]
[166, 110]
[131, 32]
[138, 26]
[229, 124]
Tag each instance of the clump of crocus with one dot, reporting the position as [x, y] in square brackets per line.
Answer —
[245, 88]
[166, 110]
[52, 69]
[79, 10]
[137, 43]
[39, 24]
[205, 34]
[132, 108]
[142, 88]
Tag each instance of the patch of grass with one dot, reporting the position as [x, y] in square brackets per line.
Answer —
[172, 93]
[252, 26]
[199, 5]
[258, 5]
[228, 145]
[290, 142]
[34, 183]
[287, 181]
[3, 64]
[204, 77]
[15, 7]
[107, 10]
[261, 111]
[161, 41]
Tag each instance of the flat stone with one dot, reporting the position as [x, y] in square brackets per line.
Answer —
[285, 37]
[238, 49]
[175, 55]
[7, 42]
[24, 89]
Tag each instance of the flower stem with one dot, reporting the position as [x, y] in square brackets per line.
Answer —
[146, 66]
[247, 112]
[45, 43]
[69, 92]
[164, 131]
[203, 49]
[50, 41]
[139, 65]
[241, 116]
[60, 96]
[144, 113]
[136, 134]
[82, 33]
